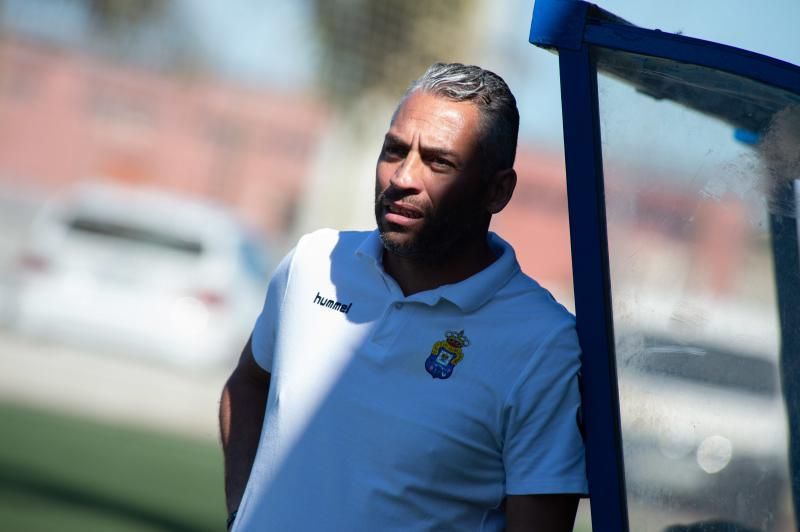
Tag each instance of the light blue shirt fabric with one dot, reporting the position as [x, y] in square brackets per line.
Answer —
[369, 424]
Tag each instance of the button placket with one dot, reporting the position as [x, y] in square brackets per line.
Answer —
[392, 324]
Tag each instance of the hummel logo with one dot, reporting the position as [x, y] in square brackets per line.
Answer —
[331, 304]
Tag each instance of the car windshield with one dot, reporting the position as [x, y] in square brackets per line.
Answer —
[134, 234]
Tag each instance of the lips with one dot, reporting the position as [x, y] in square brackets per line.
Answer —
[404, 210]
[402, 213]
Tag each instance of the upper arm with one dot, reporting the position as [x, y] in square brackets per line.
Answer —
[248, 368]
[543, 448]
[261, 345]
[543, 453]
[541, 513]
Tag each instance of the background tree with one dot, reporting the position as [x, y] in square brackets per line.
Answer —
[381, 45]
[370, 50]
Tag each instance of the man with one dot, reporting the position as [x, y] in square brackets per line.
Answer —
[412, 378]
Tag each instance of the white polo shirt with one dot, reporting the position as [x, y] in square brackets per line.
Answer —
[388, 412]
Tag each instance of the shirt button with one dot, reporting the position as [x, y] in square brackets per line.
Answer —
[398, 306]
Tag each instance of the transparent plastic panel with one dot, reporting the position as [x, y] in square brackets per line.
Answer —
[690, 201]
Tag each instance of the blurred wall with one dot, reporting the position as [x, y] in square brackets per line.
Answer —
[66, 116]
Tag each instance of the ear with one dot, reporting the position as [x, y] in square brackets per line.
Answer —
[501, 187]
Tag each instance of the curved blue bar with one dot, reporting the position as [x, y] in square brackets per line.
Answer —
[558, 24]
[568, 24]
[695, 51]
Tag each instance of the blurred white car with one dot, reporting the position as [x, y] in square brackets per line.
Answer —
[142, 271]
[704, 427]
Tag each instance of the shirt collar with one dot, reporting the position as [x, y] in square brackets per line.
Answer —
[469, 294]
[371, 249]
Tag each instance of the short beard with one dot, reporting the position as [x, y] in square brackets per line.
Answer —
[408, 250]
[421, 247]
[438, 241]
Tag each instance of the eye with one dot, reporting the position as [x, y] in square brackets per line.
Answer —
[393, 151]
[440, 164]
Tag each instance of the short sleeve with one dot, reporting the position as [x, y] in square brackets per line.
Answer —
[543, 448]
[265, 329]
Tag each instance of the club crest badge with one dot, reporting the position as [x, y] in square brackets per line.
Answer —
[446, 354]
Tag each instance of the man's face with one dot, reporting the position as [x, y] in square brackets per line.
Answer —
[429, 193]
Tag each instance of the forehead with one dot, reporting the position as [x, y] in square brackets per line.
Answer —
[436, 120]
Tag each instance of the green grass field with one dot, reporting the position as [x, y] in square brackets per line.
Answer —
[69, 474]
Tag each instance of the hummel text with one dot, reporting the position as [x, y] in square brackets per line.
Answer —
[331, 304]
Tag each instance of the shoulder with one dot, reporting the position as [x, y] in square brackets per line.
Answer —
[545, 350]
[329, 243]
[320, 239]
[329, 256]
[518, 293]
[530, 329]
[524, 297]
[521, 316]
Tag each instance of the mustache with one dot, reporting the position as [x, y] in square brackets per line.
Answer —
[390, 195]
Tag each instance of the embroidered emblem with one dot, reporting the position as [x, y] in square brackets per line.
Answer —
[445, 354]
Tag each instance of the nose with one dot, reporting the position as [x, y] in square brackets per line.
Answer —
[407, 175]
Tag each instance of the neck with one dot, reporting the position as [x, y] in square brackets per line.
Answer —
[418, 274]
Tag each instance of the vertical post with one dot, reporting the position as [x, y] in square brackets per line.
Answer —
[786, 263]
[589, 243]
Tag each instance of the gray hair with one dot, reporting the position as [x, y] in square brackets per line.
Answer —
[486, 90]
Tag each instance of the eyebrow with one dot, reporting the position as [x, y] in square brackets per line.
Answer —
[427, 150]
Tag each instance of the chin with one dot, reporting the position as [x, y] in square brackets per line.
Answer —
[399, 244]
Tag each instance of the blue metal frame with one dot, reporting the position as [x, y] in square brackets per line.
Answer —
[589, 242]
[695, 51]
[570, 24]
[572, 28]
[783, 228]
